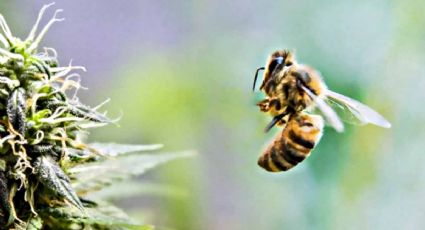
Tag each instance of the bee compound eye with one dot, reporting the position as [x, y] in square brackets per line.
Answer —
[279, 60]
[275, 63]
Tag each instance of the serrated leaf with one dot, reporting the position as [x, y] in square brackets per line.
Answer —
[112, 149]
[79, 110]
[96, 175]
[16, 108]
[51, 175]
[103, 214]
[107, 214]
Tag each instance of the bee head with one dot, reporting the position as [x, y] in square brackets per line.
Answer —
[277, 61]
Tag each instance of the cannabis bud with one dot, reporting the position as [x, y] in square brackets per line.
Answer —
[45, 167]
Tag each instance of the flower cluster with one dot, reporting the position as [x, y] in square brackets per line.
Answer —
[40, 126]
[46, 168]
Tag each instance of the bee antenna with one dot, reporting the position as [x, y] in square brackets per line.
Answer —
[255, 77]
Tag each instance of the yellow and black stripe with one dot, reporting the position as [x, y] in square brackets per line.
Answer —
[293, 145]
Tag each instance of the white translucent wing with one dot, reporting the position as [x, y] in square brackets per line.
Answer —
[329, 114]
[355, 111]
[343, 112]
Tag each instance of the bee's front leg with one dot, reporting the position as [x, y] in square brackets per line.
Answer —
[271, 105]
[264, 105]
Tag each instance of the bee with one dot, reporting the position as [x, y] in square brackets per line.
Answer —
[295, 143]
[292, 92]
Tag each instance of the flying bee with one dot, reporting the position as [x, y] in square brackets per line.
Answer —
[290, 147]
[292, 90]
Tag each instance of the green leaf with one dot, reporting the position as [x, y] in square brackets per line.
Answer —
[100, 213]
[52, 176]
[2, 128]
[96, 175]
[79, 110]
[107, 214]
[41, 114]
[2, 165]
[35, 223]
[81, 155]
[16, 108]
[112, 149]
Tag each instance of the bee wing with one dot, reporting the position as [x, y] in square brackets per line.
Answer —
[330, 115]
[354, 111]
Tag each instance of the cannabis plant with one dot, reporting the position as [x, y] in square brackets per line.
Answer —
[46, 169]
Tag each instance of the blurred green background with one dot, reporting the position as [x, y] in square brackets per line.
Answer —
[181, 73]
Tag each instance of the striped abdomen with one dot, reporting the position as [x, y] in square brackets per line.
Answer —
[294, 144]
